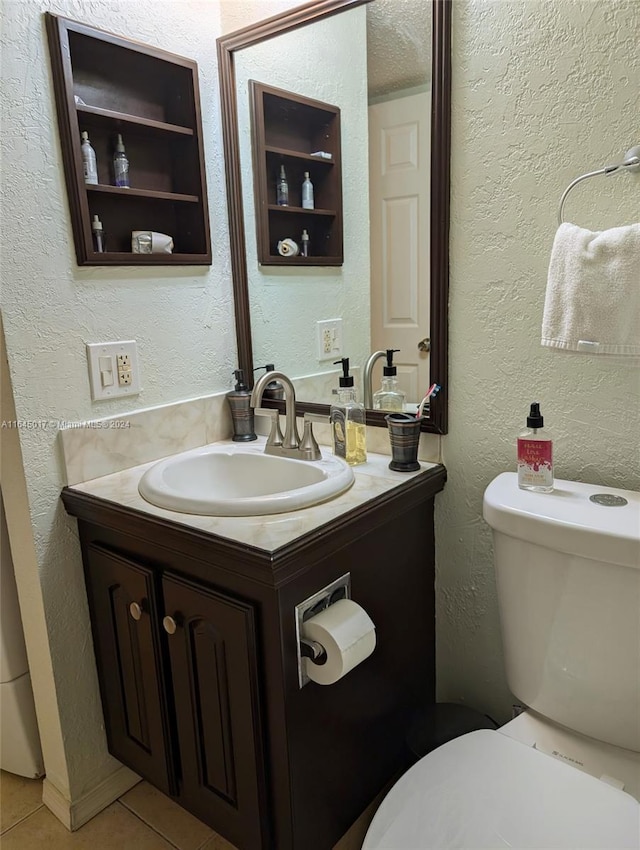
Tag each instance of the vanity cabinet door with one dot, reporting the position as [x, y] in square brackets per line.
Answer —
[212, 647]
[126, 637]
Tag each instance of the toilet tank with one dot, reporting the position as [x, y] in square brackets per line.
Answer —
[568, 581]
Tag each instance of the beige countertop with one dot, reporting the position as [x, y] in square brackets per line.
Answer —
[372, 479]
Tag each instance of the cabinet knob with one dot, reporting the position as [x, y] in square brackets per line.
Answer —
[135, 610]
[169, 625]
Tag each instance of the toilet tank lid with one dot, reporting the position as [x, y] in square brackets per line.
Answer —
[566, 520]
[484, 790]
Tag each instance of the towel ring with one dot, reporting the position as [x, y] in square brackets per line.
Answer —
[631, 163]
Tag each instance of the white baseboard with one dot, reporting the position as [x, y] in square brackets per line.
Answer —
[75, 814]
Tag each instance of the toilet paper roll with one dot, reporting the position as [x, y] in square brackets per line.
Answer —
[348, 635]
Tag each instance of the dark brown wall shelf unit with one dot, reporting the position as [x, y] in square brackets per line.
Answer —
[286, 129]
[152, 98]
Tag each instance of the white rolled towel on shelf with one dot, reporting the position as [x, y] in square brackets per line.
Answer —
[592, 302]
[288, 248]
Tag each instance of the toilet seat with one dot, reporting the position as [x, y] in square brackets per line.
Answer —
[485, 790]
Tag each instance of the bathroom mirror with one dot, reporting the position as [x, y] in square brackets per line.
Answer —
[267, 324]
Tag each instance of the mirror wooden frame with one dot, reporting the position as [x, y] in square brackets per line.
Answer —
[300, 16]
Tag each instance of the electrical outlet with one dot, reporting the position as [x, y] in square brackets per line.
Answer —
[113, 369]
[329, 339]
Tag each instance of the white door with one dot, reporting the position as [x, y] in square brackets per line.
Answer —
[399, 166]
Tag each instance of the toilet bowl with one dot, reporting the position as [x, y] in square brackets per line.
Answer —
[566, 772]
[486, 790]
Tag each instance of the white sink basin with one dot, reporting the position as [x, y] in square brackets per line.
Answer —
[240, 480]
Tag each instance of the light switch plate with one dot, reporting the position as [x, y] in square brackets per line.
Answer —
[113, 369]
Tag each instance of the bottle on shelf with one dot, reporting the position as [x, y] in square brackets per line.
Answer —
[307, 192]
[347, 416]
[535, 454]
[98, 235]
[89, 163]
[389, 396]
[282, 189]
[120, 165]
[304, 241]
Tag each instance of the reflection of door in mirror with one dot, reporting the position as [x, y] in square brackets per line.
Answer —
[327, 61]
[399, 196]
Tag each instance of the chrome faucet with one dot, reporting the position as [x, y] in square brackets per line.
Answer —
[289, 445]
[366, 378]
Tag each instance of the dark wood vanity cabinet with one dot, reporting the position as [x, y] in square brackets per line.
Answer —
[179, 685]
[195, 642]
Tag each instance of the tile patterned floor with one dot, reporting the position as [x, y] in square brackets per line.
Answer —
[143, 819]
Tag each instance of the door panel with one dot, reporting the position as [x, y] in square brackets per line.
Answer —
[399, 194]
[216, 699]
[129, 668]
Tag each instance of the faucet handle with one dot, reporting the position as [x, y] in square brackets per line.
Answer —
[308, 445]
[275, 437]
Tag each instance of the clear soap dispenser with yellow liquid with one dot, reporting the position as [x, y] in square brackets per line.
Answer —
[347, 417]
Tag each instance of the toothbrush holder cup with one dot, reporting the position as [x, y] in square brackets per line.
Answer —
[404, 435]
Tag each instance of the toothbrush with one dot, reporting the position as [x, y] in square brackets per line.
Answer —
[432, 392]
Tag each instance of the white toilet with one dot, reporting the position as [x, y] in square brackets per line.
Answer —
[566, 772]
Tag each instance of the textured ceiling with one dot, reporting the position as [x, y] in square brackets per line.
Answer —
[398, 44]
[398, 37]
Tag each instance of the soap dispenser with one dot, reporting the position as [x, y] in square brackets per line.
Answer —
[241, 411]
[274, 389]
[347, 418]
[389, 396]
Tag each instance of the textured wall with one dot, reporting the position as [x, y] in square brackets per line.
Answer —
[181, 318]
[327, 62]
[542, 93]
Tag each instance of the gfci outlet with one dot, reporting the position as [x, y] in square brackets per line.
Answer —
[329, 339]
[113, 369]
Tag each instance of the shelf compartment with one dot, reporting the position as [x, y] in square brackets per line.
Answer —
[277, 260]
[151, 97]
[285, 152]
[142, 193]
[95, 114]
[126, 258]
[181, 221]
[284, 126]
[298, 210]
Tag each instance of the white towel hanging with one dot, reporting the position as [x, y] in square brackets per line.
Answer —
[592, 301]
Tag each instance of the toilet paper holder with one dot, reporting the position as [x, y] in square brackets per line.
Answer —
[338, 589]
